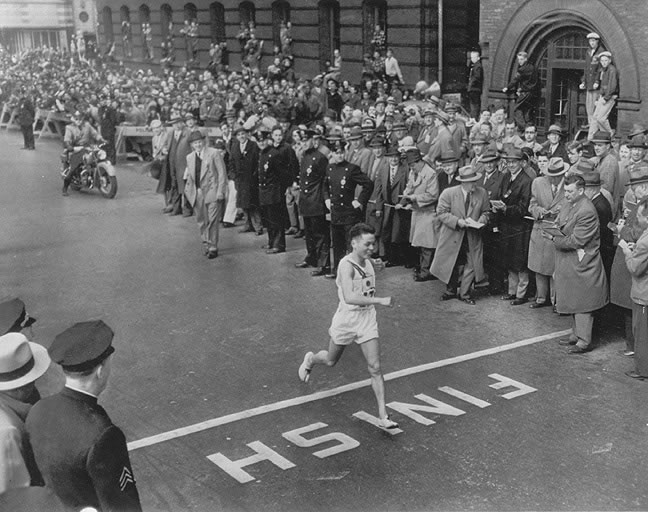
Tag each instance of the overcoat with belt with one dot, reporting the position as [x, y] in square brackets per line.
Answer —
[579, 278]
[424, 189]
[213, 177]
[542, 254]
[451, 208]
[245, 168]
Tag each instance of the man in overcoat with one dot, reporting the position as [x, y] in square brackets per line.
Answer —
[607, 165]
[515, 229]
[547, 199]
[459, 251]
[244, 163]
[581, 285]
[205, 190]
[179, 148]
[25, 117]
[317, 230]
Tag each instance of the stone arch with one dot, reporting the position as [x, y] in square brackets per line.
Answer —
[534, 21]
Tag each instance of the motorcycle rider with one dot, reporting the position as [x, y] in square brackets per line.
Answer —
[78, 136]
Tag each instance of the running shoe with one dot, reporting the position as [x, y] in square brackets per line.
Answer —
[306, 367]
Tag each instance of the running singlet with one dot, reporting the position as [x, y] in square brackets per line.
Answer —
[364, 283]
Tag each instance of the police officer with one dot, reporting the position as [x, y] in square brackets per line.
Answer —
[108, 121]
[81, 454]
[342, 179]
[26, 115]
[311, 205]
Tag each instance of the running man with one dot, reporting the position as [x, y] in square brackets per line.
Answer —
[355, 318]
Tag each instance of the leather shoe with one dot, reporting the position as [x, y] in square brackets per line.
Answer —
[259, 233]
[175, 212]
[168, 209]
[566, 341]
[536, 305]
[212, 254]
[299, 234]
[448, 296]
[302, 264]
[419, 278]
[275, 251]
[578, 350]
[186, 213]
[508, 297]
[64, 192]
[265, 246]
[468, 300]
[517, 302]
[635, 375]
[246, 230]
[390, 264]
[228, 224]
[319, 272]
[332, 275]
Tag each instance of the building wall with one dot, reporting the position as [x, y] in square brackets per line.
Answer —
[412, 31]
[24, 24]
[621, 23]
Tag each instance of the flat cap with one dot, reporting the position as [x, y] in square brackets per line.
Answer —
[82, 346]
[593, 35]
[13, 316]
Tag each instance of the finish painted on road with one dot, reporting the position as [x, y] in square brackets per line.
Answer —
[320, 395]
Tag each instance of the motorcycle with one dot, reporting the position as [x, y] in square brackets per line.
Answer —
[97, 172]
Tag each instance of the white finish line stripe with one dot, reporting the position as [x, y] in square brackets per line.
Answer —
[292, 402]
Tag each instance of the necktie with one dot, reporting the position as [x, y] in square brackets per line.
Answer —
[467, 203]
[198, 166]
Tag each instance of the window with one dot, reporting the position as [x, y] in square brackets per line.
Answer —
[374, 14]
[190, 12]
[247, 13]
[217, 18]
[145, 25]
[280, 14]
[166, 19]
[125, 13]
[144, 14]
[329, 29]
[107, 23]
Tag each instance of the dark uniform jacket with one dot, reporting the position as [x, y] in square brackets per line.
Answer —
[26, 112]
[311, 182]
[81, 454]
[341, 182]
[278, 169]
[245, 168]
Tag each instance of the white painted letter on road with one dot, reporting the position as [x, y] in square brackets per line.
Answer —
[435, 407]
[234, 468]
[505, 382]
[345, 442]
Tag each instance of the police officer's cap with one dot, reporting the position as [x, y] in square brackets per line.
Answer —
[82, 346]
[13, 316]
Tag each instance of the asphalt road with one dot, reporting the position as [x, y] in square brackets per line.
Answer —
[205, 372]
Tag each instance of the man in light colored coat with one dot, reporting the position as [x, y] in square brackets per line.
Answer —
[460, 251]
[205, 187]
[581, 285]
[547, 199]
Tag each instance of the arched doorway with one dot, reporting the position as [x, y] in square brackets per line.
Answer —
[560, 60]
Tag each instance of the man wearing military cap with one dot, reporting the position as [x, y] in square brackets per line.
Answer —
[21, 363]
[14, 316]
[515, 229]
[312, 207]
[342, 180]
[80, 452]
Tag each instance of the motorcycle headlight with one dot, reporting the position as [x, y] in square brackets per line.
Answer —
[102, 155]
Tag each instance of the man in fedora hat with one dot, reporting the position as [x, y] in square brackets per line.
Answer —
[244, 161]
[525, 85]
[21, 363]
[179, 148]
[580, 281]
[312, 176]
[458, 130]
[80, 452]
[591, 73]
[446, 167]
[459, 252]
[515, 229]
[428, 132]
[604, 212]
[607, 165]
[547, 199]
[356, 153]
[444, 142]
[607, 83]
[205, 189]
[421, 194]
[554, 146]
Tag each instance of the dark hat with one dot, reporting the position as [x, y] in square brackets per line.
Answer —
[489, 156]
[413, 155]
[219, 144]
[392, 150]
[639, 174]
[637, 129]
[439, 114]
[602, 136]
[468, 174]
[380, 100]
[399, 125]
[189, 115]
[14, 316]
[513, 154]
[209, 97]
[377, 142]
[356, 133]
[196, 135]
[638, 141]
[452, 107]
[308, 133]
[242, 128]
[448, 156]
[336, 143]
[82, 346]
[557, 167]
[391, 100]
[554, 128]
[592, 179]
[368, 125]
[428, 111]
[584, 166]
[175, 118]
[479, 139]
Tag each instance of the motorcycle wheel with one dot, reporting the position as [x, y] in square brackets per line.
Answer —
[107, 183]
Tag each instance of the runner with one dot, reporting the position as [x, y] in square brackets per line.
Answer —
[355, 318]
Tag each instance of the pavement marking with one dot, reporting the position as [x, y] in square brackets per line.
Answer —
[320, 395]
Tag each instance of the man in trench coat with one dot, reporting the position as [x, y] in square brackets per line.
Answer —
[459, 250]
[244, 163]
[179, 148]
[581, 285]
